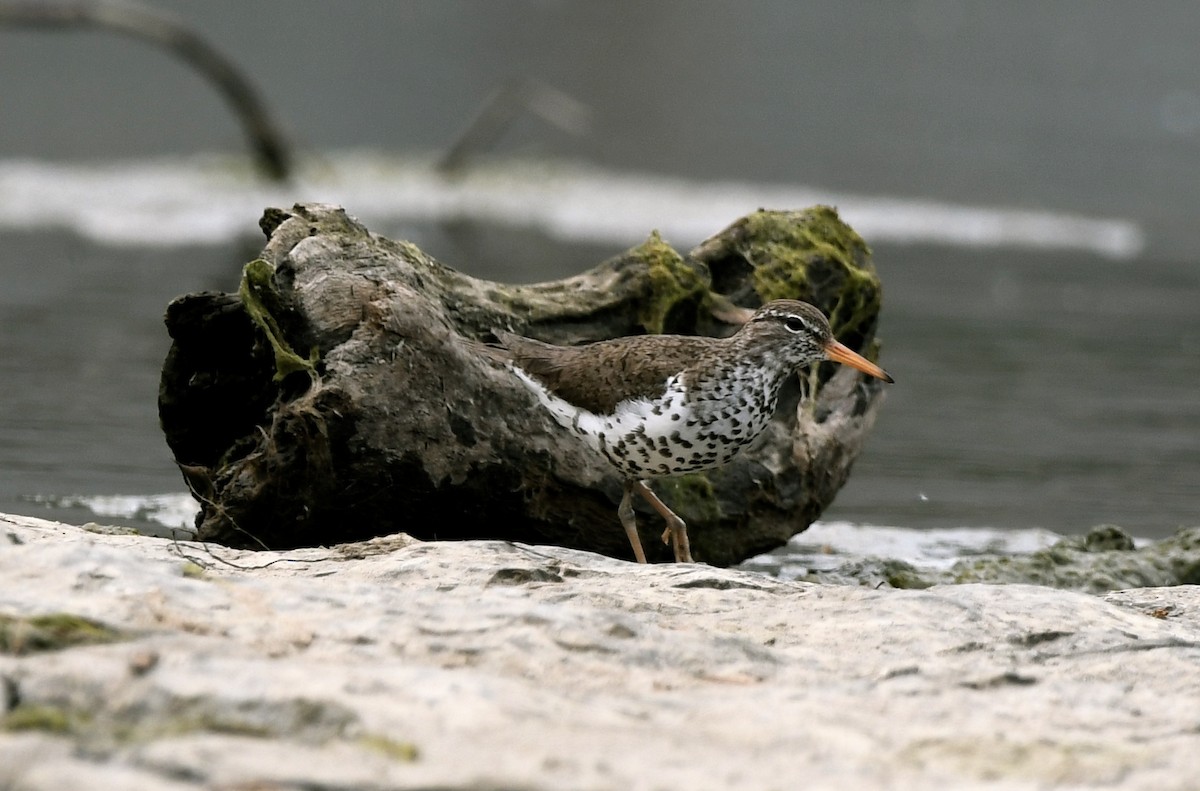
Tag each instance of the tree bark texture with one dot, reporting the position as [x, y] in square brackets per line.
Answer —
[342, 392]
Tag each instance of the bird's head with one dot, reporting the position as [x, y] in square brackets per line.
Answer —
[803, 332]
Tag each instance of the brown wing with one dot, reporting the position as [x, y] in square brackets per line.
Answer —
[597, 376]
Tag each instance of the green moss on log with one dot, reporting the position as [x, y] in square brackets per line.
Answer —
[818, 258]
[692, 496]
[672, 281]
[261, 300]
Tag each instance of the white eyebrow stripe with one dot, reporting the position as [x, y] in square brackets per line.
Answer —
[776, 314]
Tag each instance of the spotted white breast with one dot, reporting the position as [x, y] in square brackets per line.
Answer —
[686, 429]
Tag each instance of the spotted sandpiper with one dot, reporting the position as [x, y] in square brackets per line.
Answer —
[662, 405]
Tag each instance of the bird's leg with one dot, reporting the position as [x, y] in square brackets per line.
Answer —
[625, 512]
[676, 532]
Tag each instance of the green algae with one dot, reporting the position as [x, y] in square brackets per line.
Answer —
[47, 719]
[261, 301]
[160, 717]
[874, 573]
[192, 570]
[117, 728]
[672, 282]
[817, 258]
[391, 748]
[905, 576]
[692, 495]
[1104, 559]
[53, 632]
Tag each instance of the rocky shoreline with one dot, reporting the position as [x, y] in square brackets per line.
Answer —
[1104, 559]
[138, 662]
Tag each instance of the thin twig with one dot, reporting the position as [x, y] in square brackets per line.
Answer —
[502, 107]
[179, 550]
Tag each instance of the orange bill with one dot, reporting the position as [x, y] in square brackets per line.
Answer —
[840, 353]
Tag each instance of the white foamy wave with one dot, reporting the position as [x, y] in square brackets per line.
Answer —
[174, 510]
[211, 199]
[826, 546]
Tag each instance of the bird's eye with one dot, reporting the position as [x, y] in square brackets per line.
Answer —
[794, 324]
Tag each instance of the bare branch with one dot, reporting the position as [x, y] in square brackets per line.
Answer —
[171, 34]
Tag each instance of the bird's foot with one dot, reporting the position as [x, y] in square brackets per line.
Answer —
[676, 535]
[676, 532]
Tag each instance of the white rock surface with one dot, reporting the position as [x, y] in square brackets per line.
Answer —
[485, 665]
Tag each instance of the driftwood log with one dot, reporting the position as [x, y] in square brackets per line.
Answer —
[341, 393]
